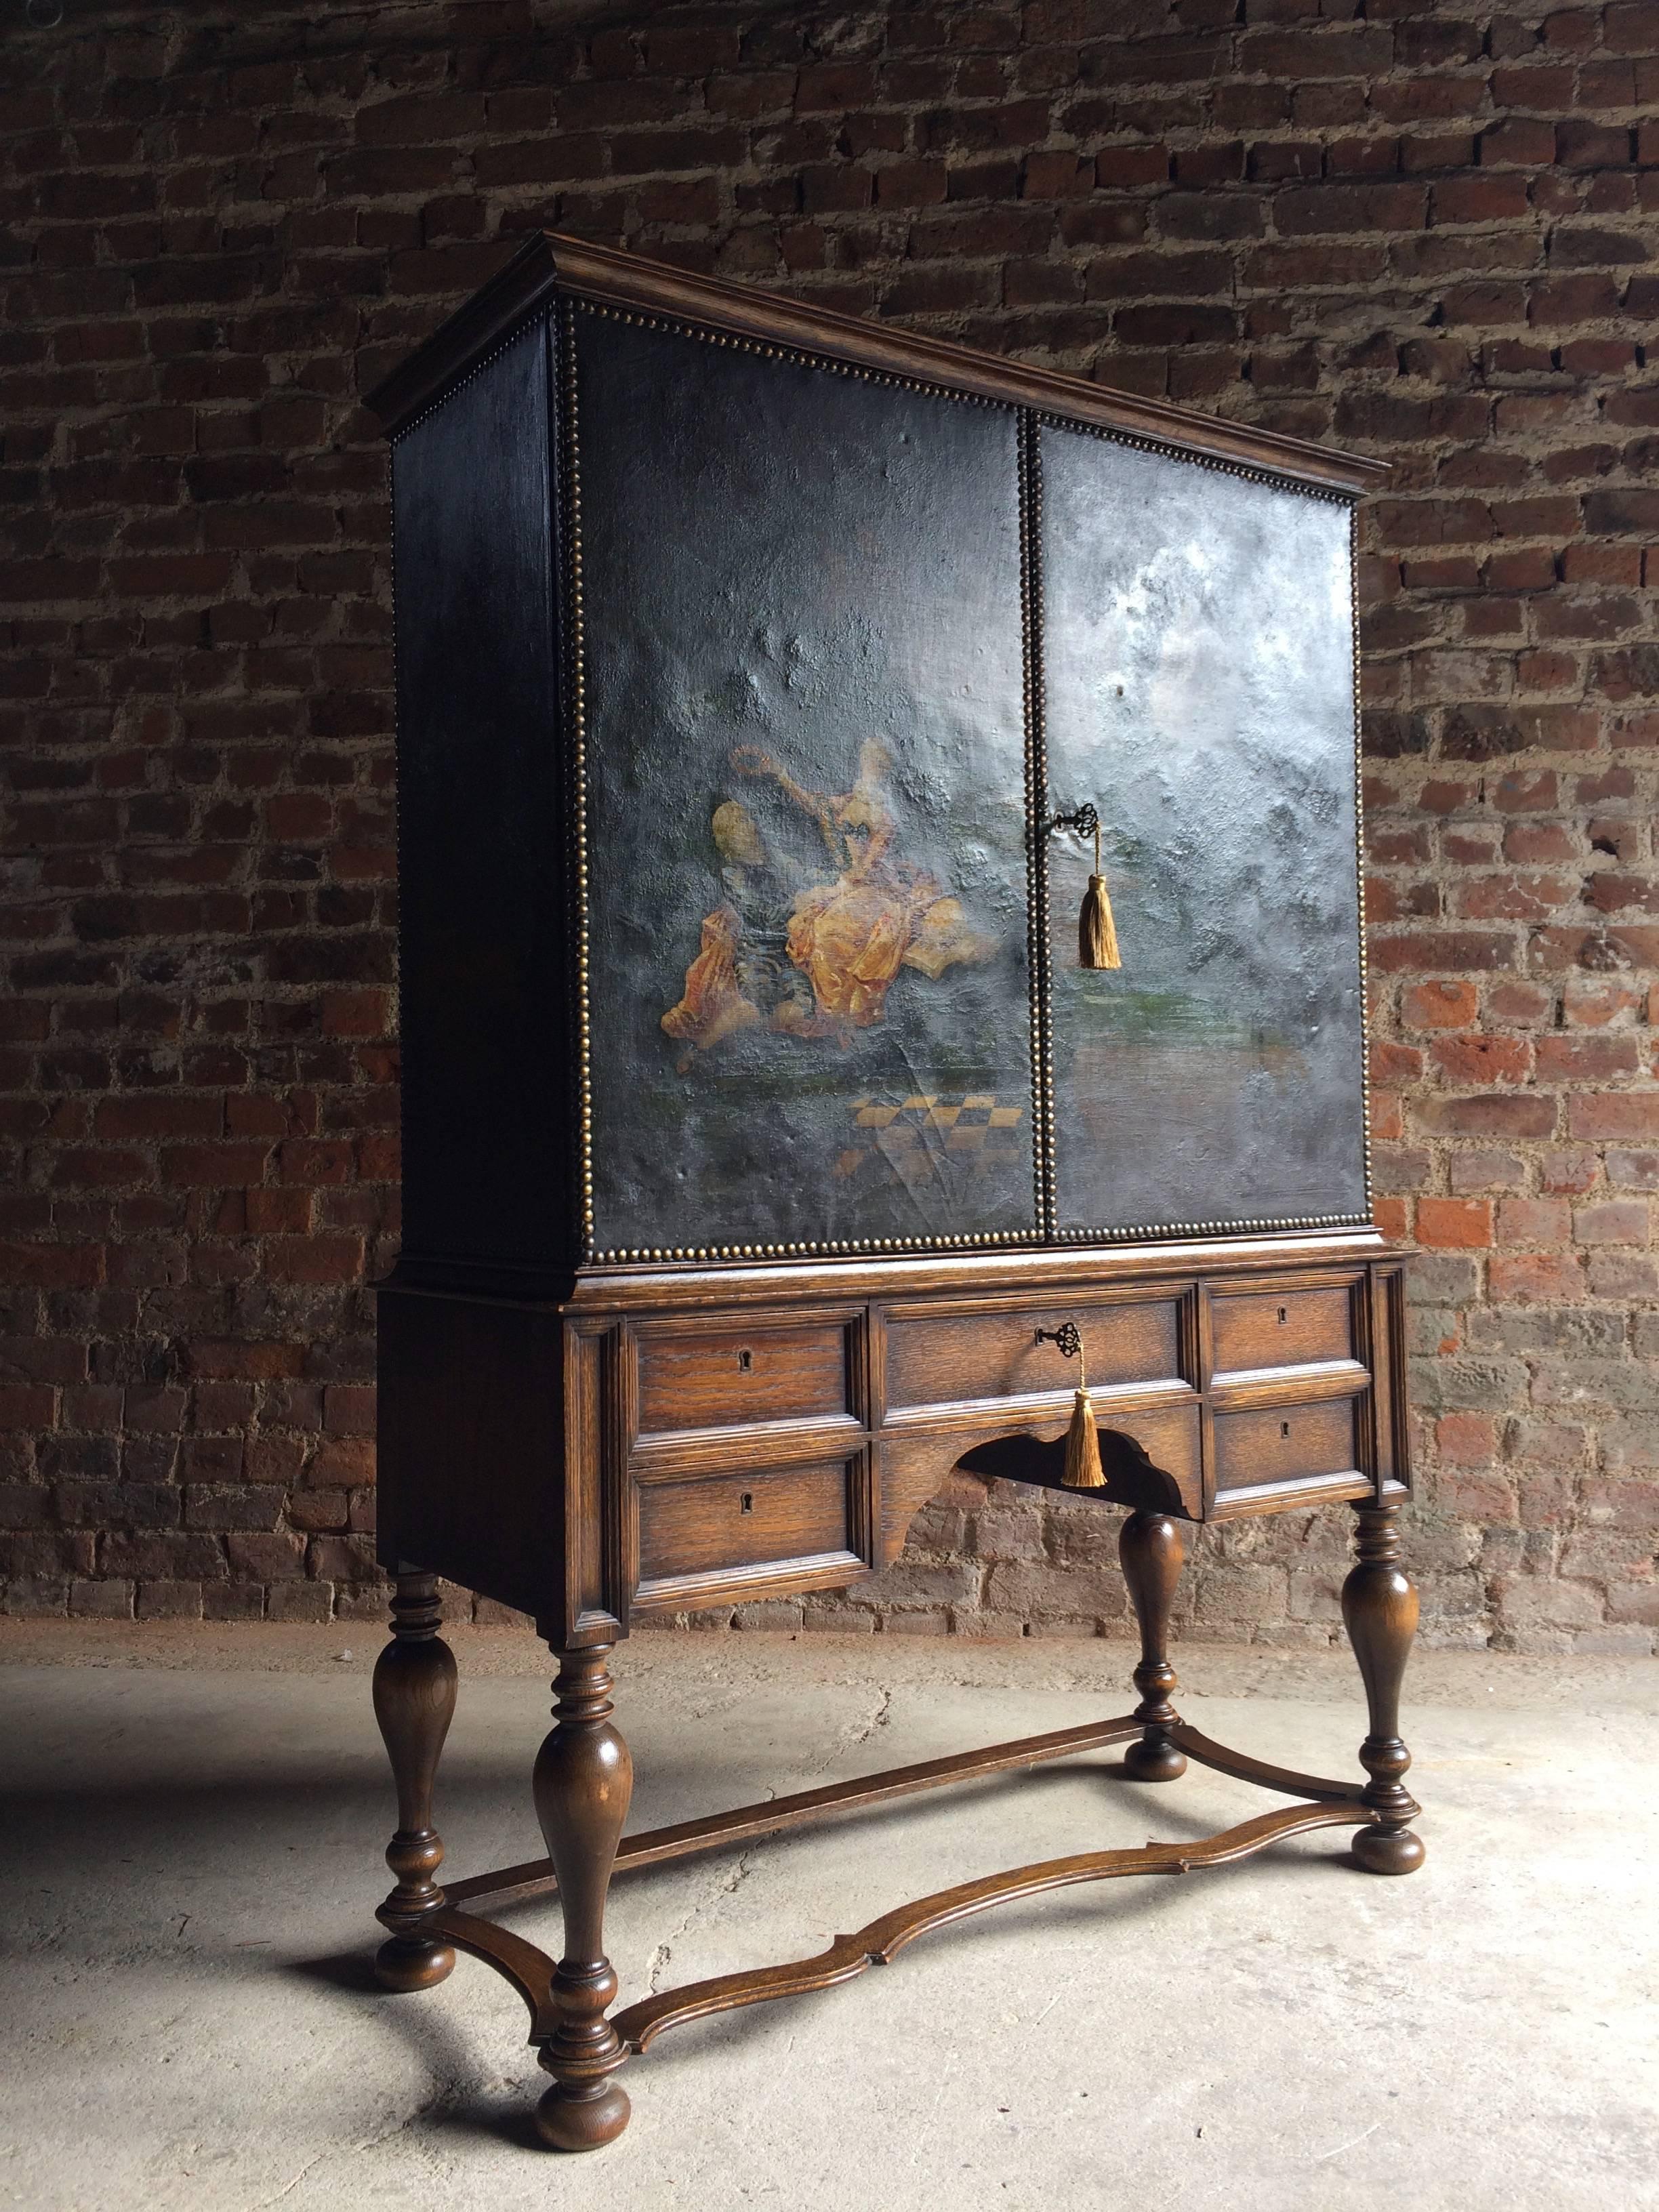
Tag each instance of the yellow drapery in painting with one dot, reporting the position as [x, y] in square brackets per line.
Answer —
[848, 938]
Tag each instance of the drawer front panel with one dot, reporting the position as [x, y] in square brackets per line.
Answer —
[941, 1361]
[1284, 1328]
[699, 1380]
[750, 1521]
[1282, 1444]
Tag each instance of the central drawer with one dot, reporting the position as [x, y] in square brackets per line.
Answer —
[704, 1539]
[769, 1370]
[949, 1358]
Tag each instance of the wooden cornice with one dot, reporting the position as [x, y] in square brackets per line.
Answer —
[550, 263]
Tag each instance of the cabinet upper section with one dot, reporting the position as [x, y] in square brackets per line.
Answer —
[746, 655]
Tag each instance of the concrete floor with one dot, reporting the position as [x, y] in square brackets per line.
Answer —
[193, 1828]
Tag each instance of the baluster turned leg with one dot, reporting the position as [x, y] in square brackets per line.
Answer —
[1379, 1606]
[1148, 1545]
[414, 1703]
[584, 1778]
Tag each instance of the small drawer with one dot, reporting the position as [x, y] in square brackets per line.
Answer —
[979, 1356]
[1281, 1328]
[1284, 1444]
[696, 1535]
[775, 1371]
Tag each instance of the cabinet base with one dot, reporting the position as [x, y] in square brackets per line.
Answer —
[586, 2122]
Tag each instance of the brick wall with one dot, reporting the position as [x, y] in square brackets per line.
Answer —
[1424, 231]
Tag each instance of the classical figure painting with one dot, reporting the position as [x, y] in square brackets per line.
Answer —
[813, 949]
[808, 932]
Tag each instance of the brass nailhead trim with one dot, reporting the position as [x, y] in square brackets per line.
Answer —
[1145, 445]
[1359, 864]
[577, 680]
[1037, 920]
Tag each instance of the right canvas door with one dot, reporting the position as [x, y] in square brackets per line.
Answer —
[1197, 653]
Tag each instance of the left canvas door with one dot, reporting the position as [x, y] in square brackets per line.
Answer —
[809, 1009]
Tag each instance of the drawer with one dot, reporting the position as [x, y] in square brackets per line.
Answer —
[943, 1361]
[1281, 1328]
[1284, 1444]
[696, 1538]
[773, 1371]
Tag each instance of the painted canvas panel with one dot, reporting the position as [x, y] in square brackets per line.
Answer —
[805, 800]
[1200, 684]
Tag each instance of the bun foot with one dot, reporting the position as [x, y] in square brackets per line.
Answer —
[1388, 1851]
[405, 1963]
[1157, 1761]
[585, 2118]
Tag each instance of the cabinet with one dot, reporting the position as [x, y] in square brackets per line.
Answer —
[763, 678]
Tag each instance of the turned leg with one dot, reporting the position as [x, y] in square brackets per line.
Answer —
[1380, 1607]
[414, 1703]
[1148, 1545]
[584, 1778]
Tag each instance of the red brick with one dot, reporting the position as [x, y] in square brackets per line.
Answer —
[1615, 1114]
[1537, 1221]
[1468, 1439]
[1458, 1223]
[1438, 1005]
[1535, 1278]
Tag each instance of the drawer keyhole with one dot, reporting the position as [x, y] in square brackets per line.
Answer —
[1284, 1428]
[1281, 1314]
[746, 1500]
[746, 1360]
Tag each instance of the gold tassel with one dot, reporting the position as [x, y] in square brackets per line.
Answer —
[1083, 1468]
[1096, 933]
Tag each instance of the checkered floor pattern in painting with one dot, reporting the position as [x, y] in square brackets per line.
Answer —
[975, 1126]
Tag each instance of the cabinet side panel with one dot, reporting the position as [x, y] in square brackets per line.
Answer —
[486, 1170]
[812, 1024]
[471, 1446]
[1198, 646]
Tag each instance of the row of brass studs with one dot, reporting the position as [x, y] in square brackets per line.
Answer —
[849, 1250]
[1036, 816]
[797, 355]
[1000, 1239]
[1210, 1228]
[460, 384]
[1143, 444]
[1359, 861]
[577, 693]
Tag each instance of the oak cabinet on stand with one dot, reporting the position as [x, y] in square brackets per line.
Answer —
[879, 937]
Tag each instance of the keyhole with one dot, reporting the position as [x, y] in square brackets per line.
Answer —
[1284, 1428]
[1281, 1313]
[746, 1360]
[746, 1502]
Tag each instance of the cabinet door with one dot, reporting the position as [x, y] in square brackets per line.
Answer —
[1198, 653]
[807, 912]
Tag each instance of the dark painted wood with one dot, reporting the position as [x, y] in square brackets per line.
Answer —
[1149, 1547]
[414, 1703]
[1379, 1606]
[483, 887]
[583, 1780]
